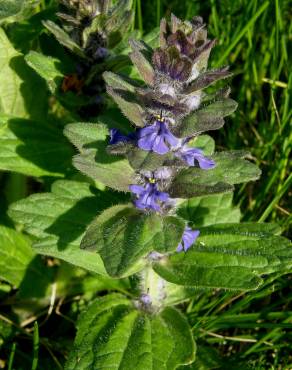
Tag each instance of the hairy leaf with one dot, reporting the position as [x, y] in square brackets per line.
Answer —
[229, 256]
[230, 168]
[146, 160]
[47, 67]
[123, 236]
[58, 220]
[209, 209]
[141, 57]
[33, 148]
[94, 160]
[206, 118]
[207, 78]
[17, 10]
[203, 142]
[113, 334]
[63, 38]
[124, 95]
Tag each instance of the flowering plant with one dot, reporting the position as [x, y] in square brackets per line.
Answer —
[146, 222]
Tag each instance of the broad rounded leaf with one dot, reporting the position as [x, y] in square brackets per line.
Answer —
[206, 118]
[58, 220]
[229, 256]
[113, 334]
[18, 84]
[47, 67]
[209, 210]
[94, 160]
[15, 255]
[123, 236]
[230, 168]
[33, 148]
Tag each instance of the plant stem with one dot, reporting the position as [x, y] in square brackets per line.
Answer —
[152, 285]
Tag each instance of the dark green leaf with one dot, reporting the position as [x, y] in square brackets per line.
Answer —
[58, 220]
[47, 67]
[141, 57]
[124, 95]
[146, 160]
[203, 142]
[209, 210]
[64, 38]
[205, 118]
[94, 160]
[229, 256]
[230, 168]
[207, 78]
[113, 334]
[15, 9]
[123, 236]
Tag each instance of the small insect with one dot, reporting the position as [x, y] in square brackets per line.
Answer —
[72, 83]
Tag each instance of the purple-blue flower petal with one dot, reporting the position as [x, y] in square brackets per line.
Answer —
[117, 137]
[136, 189]
[192, 155]
[188, 239]
[148, 197]
[156, 137]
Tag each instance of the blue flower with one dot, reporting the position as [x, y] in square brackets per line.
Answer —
[117, 137]
[192, 155]
[148, 197]
[157, 137]
[188, 239]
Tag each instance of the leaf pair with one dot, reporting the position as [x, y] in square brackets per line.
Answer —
[123, 236]
[112, 333]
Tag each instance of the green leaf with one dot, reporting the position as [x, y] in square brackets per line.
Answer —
[124, 94]
[10, 8]
[15, 255]
[207, 78]
[123, 236]
[229, 256]
[58, 220]
[19, 265]
[33, 148]
[206, 118]
[230, 168]
[203, 142]
[115, 335]
[94, 161]
[209, 210]
[47, 67]
[64, 38]
[13, 9]
[19, 84]
[141, 57]
[146, 160]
